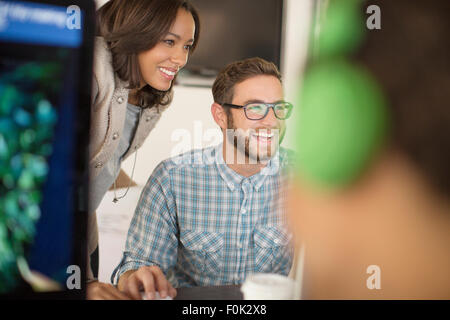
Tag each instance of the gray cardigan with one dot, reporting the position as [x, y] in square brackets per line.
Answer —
[108, 112]
[109, 101]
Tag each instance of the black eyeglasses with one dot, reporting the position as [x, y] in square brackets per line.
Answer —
[259, 110]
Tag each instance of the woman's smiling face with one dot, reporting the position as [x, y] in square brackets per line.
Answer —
[159, 65]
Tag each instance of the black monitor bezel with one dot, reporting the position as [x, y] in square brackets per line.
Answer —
[208, 70]
[82, 155]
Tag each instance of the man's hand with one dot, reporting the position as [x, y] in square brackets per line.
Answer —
[148, 279]
[104, 291]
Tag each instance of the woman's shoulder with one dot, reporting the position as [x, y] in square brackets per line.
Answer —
[103, 70]
[102, 57]
[99, 40]
[101, 46]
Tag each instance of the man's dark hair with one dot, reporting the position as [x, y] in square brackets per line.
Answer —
[237, 72]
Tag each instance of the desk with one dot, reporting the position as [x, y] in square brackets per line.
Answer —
[231, 292]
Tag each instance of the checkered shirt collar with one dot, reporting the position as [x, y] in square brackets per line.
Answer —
[234, 180]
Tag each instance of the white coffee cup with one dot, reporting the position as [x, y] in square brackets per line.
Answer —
[268, 286]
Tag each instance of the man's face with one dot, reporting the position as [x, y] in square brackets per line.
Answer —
[257, 139]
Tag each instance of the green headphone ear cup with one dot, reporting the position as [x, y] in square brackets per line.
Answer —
[342, 29]
[342, 120]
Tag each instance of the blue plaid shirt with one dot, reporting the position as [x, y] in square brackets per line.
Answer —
[203, 224]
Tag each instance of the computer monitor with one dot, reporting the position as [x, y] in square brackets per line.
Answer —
[45, 82]
[232, 30]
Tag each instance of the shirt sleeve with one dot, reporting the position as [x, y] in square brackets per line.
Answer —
[152, 236]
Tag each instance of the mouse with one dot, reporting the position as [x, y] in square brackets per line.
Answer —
[157, 296]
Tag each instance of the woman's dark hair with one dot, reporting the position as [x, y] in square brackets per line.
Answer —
[133, 26]
[409, 56]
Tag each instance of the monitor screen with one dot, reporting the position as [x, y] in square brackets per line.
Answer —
[45, 76]
[233, 30]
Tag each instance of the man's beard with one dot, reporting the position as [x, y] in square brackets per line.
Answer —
[256, 153]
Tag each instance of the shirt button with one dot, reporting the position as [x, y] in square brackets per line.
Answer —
[119, 99]
[244, 210]
[98, 165]
[115, 136]
[148, 119]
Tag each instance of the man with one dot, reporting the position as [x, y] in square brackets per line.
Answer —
[213, 216]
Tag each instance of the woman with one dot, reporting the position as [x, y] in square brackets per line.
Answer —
[140, 49]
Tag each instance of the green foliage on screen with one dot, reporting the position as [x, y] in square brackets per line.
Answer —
[27, 121]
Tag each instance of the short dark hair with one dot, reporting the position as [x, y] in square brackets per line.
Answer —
[237, 72]
[133, 26]
[409, 56]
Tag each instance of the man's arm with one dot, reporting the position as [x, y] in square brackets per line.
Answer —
[151, 247]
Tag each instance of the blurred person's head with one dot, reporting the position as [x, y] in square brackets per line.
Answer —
[395, 212]
[242, 92]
